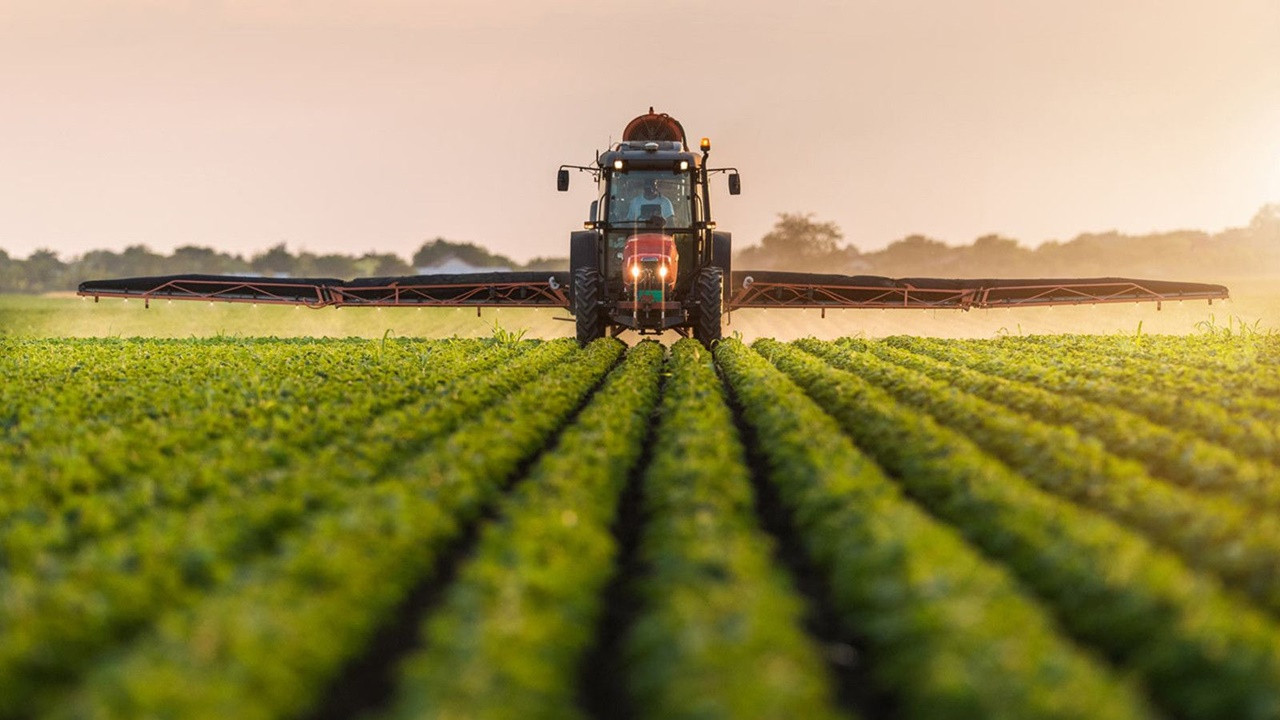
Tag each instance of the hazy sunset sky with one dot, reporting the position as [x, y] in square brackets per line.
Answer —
[356, 126]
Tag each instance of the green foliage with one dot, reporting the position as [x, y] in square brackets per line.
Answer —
[1200, 651]
[953, 635]
[1235, 326]
[235, 479]
[504, 336]
[1161, 392]
[719, 632]
[1176, 455]
[1219, 534]
[515, 625]
[1024, 527]
[338, 579]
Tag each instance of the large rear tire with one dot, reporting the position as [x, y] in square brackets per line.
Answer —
[708, 293]
[588, 291]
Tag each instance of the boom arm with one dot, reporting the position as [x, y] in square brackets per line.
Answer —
[496, 289]
[750, 289]
[772, 289]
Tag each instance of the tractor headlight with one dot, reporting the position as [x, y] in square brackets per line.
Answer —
[635, 271]
[662, 271]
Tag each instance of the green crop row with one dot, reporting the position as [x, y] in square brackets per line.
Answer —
[103, 482]
[718, 633]
[1176, 455]
[62, 611]
[1254, 392]
[244, 500]
[84, 396]
[1235, 362]
[513, 629]
[269, 642]
[951, 634]
[1212, 533]
[240, 466]
[1243, 435]
[1003, 528]
[1199, 652]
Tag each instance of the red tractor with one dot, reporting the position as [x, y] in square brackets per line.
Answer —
[650, 258]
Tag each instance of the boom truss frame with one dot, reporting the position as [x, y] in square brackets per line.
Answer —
[773, 290]
[816, 295]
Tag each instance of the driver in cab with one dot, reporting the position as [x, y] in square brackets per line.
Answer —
[652, 204]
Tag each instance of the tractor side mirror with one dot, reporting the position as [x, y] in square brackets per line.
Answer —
[735, 184]
[595, 210]
[562, 180]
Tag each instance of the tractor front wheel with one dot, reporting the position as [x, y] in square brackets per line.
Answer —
[708, 293]
[588, 291]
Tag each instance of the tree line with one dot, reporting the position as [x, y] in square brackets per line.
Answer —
[797, 242]
[45, 271]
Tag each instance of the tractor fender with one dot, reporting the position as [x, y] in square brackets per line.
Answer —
[584, 252]
[722, 257]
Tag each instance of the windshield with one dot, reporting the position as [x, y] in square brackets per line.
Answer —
[641, 196]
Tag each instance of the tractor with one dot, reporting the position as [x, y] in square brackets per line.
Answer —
[650, 258]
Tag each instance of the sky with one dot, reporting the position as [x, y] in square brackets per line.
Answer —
[374, 126]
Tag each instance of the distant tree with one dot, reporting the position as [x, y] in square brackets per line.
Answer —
[142, 261]
[913, 255]
[992, 256]
[134, 260]
[798, 242]
[193, 259]
[43, 271]
[1088, 254]
[382, 264]
[1266, 222]
[274, 261]
[333, 265]
[798, 234]
[994, 245]
[440, 251]
[10, 273]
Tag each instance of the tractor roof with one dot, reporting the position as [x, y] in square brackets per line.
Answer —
[649, 155]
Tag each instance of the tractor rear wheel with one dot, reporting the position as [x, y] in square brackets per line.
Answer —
[588, 291]
[708, 293]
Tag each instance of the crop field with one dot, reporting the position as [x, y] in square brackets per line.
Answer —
[1071, 526]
